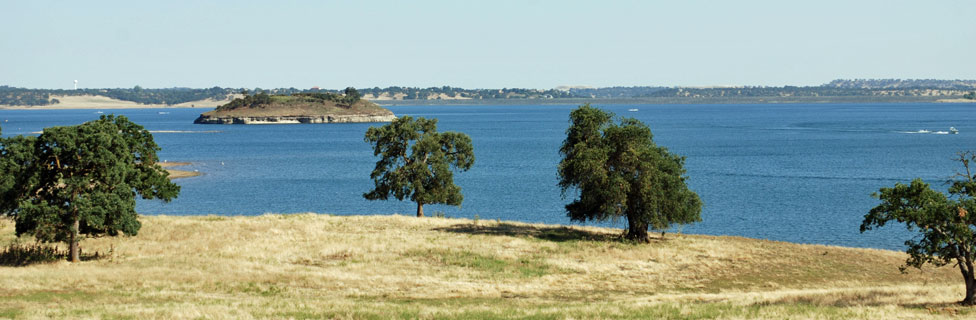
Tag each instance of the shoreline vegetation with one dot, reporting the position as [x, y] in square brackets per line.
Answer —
[324, 266]
[175, 173]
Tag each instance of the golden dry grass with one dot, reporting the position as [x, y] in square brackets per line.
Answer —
[321, 266]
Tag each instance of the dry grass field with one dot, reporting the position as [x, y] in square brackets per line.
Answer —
[320, 266]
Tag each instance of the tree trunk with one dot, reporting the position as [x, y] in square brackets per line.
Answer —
[970, 293]
[637, 231]
[420, 209]
[966, 267]
[73, 246]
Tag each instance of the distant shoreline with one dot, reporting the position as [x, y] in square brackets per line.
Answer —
[676, 101]
[94, 104]
[103, 102]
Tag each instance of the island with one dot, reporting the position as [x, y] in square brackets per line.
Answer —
[305, 107]
[177, 174]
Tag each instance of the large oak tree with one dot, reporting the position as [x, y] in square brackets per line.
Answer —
[81, 180]
[619, 172]
[416, 162]
[945, 226]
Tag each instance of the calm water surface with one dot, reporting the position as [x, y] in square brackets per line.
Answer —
[798, 173]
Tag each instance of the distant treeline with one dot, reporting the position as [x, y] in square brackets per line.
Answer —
[903, 83]
[837, 88]
[169, 96]
[436, 93]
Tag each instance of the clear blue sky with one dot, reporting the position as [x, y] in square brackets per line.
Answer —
[480, 44]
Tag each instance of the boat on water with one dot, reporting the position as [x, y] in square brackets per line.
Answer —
[162, 112]
[633, 110]
[952, 130]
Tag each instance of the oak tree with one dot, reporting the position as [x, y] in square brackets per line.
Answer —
[945, 225]
[619, 171]
[82, 180]
[416, 162]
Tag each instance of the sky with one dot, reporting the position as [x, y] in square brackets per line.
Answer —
[480, 44]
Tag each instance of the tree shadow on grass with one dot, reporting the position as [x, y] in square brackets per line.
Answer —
[16, 255]
[557, 234]
[872, 298]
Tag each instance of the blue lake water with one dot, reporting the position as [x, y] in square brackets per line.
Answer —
[789, 172]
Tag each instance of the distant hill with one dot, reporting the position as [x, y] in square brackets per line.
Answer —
[263, 108]
[11, 96]
[902, 84]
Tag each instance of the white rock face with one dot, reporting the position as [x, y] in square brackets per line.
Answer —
[295, 119]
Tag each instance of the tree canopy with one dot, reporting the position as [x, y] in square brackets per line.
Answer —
[945, 225]
[416, 162]
[619, 172]
[81, 180]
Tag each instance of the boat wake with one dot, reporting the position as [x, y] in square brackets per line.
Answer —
[923, 131]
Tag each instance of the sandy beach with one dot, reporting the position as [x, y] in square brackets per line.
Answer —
[176, 174]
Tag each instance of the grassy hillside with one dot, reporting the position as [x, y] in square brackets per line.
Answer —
[315, 266]
[296, 105]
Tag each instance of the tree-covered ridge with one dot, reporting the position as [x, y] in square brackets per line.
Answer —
[438, 93]
[169, 96]
[791, 91]
[902, 83]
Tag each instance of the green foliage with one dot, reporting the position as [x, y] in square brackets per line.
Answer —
[945, 225]
[81, 180]
[352, 94]
[416, 162]
[971, 95]
[259, 99]
[620, 172]
[16, 155]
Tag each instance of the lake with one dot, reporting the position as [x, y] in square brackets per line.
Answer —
[789, 172]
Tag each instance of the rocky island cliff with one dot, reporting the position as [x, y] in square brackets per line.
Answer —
[263, 108]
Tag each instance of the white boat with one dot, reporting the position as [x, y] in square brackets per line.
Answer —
[633, 110]
[952, 130]
[162, 112]
[923, 131]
